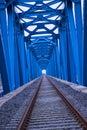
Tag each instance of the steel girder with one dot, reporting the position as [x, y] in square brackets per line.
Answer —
[46, 34]
[85, 45]
[70, 43]
[4, 53]
[37, 22]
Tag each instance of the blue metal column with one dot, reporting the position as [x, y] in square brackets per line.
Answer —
[78, 21]
[36, 69]
[70, 58]
[54, 63]
[57, 51]
[31, 70]
[4, 51]
[33, 67]
[50, 69]
[21, 54]
[85, 45]
[16, 64]
[72, 73]
[11, 41]
[28, 62]
[63, 48]
[52, 66]
[27, 66]
[74, 41]
[39, 71]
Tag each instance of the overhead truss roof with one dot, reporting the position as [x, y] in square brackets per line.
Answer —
[40, 20]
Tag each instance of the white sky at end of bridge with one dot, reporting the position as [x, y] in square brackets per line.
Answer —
[43, 71]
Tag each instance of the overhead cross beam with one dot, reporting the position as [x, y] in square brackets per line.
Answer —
[40, 22]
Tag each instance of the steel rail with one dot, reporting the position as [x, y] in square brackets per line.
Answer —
[26, 116]
[75, 112]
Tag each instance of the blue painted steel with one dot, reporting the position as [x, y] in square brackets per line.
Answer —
[85, 45]
[71, 64]
[16, 66]
[63, 49]
[54, 64]
[78, 20]
[57, 51]
[76, 1]
[28, 63]
[21, 54]
[41, 36]
[74, 44]
[4, 54]
[11, 42]
[3, 69]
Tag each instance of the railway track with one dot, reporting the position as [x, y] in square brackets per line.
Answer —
[50, 110]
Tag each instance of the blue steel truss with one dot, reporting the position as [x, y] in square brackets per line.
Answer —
[41, 34]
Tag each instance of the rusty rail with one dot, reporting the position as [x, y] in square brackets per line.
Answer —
[75, 112]
[26, 116]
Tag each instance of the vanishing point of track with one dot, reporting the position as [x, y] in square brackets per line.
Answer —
[49, 109]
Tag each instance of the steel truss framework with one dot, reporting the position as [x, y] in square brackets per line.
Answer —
[42, 34]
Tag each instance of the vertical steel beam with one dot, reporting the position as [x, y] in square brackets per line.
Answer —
[28, 62]
[63, 46]
[31, 70]
[57, 51]
[50, 71]
[78, 22]
[52, 66]
[4, 70]
[72, 72]
[85, 45]
[54, 63]
[74, 41]
[4, 51]
[70, 58]
[10, 11]
[16, 64]
[21, 53]
[33, 67]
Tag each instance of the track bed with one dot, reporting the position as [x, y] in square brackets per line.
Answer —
[50, 112]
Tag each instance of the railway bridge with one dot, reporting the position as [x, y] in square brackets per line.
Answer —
[42, 41]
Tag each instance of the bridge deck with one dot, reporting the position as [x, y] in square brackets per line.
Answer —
[13, 105]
